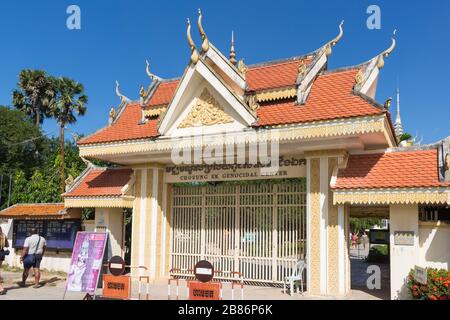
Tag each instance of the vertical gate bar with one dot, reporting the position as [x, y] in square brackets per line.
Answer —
[237, 226]
[275, 231]
[202, 224]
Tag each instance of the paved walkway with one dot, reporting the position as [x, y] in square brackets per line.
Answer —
[53, 289]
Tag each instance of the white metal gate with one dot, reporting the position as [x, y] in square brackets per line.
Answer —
[258, 229]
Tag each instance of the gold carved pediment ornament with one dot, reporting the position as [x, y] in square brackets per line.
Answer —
[206, 112]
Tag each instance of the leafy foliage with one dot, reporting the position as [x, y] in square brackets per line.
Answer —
[437, 287]
[21, 143]
[34, 93]
[405, 137]
[358, 225]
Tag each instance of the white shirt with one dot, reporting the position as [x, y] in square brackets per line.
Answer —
[31, 243]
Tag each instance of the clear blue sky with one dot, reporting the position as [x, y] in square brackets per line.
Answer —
[118, 35]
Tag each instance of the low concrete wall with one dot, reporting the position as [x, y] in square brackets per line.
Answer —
[434, 245]
[403, 218]
[52, 261]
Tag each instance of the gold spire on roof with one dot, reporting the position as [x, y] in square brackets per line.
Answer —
[194, 53]
[232, 51]
[387, 52]
[335, 41]
[205, 43]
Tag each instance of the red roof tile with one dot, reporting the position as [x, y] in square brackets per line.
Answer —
[127, 127]
[273, 75]
[331, 97]
[163, 93]
[102, 182]
[411, 169]
[34, 210]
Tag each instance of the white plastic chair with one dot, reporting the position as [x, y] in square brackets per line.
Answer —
[296, 276]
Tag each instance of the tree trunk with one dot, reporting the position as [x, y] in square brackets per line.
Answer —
[38, 118]
[63, 184]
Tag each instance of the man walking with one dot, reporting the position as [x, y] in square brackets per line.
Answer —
[32, 253]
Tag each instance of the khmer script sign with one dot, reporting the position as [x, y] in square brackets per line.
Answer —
[288, 168]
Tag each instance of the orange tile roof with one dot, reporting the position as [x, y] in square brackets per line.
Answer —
[24, 210]
[331, 97]
[102, 182]
[405, 169]
[127, 127]
[163, 93]
[275, 75]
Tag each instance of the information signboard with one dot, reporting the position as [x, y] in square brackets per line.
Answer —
[59, 234]
[86, 262]
[116, 287]
[204, 291]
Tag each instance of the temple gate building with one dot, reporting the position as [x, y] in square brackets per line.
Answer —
[336, 154]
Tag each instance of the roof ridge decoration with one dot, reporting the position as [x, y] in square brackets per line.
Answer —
[368, 74]
[122, 98]
[152, 76]
[335, 41]
[206, 112]
[308, 74]
[205, 43]
[194, 53]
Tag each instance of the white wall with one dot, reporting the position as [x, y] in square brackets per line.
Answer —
[434, 243]
[111, 220]
[403, 257]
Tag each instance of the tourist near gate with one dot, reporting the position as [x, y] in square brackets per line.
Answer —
[257, 167]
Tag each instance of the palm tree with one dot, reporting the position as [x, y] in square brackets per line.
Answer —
[35, 90]
[68, 100]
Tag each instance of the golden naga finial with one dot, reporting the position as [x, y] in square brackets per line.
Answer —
[388, 103]
[242, 67]
[388, 52]
[152, 76]
[302, 68]
[232, 51]
[335, 41]
[121, 96]
[194, 53]
[359, 77]
[142, 92]
[205, 43]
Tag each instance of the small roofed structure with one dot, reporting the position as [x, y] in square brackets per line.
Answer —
[57, 224]
[110, 186]
[39, 211]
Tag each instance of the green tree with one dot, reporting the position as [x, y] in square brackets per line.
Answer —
[34, 93]
[69, 100]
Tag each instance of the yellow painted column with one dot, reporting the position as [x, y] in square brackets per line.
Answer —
[148, 226]
[326, 226]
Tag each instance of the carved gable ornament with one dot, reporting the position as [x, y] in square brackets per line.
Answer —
[206, 112]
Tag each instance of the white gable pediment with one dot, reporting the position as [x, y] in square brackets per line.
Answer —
[204, 103]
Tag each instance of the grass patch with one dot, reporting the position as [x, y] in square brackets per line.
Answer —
[378, 253]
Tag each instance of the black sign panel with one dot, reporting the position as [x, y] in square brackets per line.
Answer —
[59, 234]
[204, 271]
[116, 265]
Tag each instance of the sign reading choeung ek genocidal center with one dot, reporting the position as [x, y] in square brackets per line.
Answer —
[86, 262]
[286, 168]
